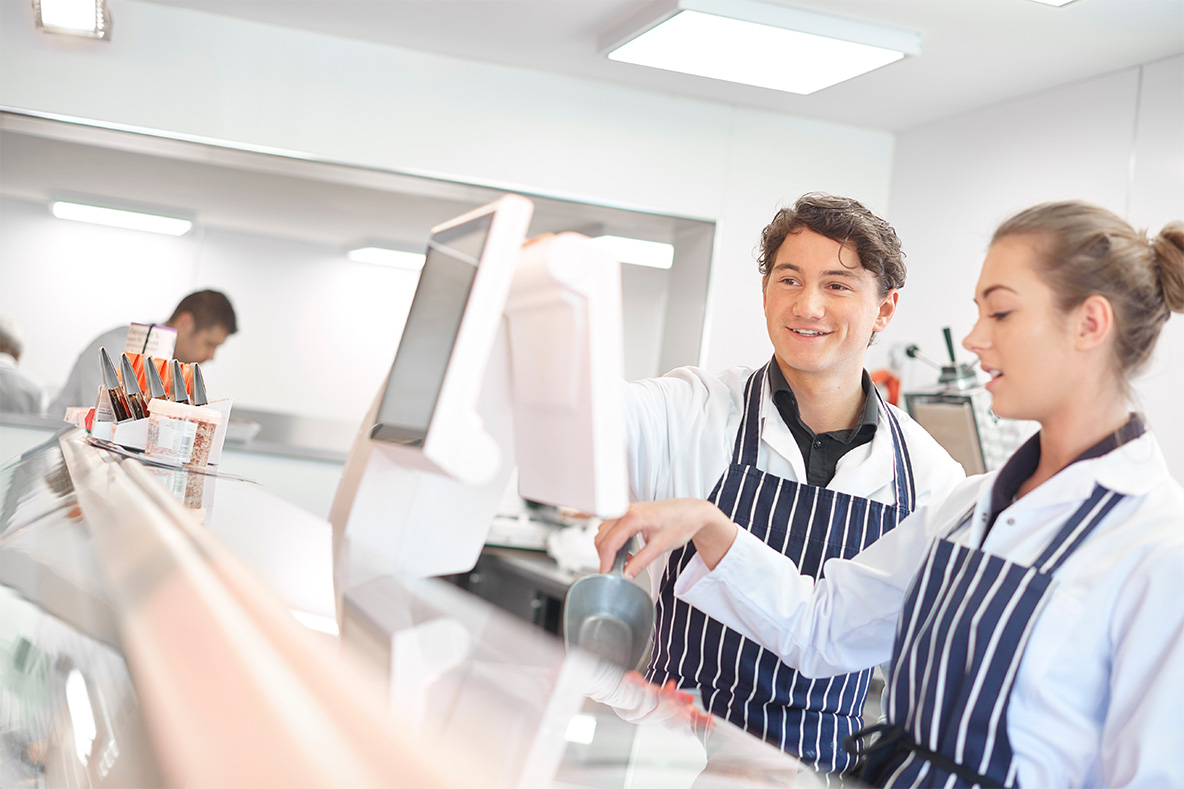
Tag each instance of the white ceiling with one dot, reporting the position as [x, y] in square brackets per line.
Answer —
[974, 52]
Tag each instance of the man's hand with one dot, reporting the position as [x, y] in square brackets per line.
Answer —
[665, 525]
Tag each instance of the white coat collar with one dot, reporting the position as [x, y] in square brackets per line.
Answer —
[863, 471]
[1133, 469]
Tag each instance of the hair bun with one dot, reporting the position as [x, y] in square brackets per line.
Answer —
[1168, 249]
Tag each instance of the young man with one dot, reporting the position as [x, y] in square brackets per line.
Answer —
[203, 321]
[803, 453]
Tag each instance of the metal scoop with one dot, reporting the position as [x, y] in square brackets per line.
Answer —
[609, 615]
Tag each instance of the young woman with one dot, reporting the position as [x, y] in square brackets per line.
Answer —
[1033, 618]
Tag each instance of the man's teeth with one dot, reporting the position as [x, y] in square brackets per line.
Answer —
[996, 373]
[806, 333]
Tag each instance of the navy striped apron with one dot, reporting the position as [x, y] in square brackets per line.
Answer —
[962, 633]
[737, 679]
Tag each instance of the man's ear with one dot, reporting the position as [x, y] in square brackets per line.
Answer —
[886, 311]
[184, 323]
[1094, 322]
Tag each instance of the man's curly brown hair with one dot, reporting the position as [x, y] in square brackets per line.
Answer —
[843, 220]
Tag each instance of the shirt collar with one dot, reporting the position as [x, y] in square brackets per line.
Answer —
[781, 393]
[1022, 464]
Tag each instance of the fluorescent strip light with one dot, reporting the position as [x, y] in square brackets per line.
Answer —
[1057, 3]
[732, 50]
[73, 17]
[132, 220]
[654, 254]
[387, 257]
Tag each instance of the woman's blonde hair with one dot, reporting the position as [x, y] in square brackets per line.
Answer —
[1087, 250]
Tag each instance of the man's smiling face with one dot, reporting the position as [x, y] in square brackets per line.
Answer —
[822, 307]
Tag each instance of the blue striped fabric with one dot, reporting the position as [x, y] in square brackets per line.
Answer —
[963, 629]
[738, 679]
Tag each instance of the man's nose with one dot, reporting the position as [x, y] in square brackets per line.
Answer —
[808, 303]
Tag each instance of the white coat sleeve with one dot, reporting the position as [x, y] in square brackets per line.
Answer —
[1140, 735]
[844, 622]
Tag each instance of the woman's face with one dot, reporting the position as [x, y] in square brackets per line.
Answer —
[1023, 341]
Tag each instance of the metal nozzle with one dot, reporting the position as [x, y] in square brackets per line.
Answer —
[179, 395]
[128, 374]
[155, 385]
[199, 386]
[135, 397]
[110, 379]
[120, 408]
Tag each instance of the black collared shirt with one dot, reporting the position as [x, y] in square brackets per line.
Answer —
[1022, 464]
[822, 451]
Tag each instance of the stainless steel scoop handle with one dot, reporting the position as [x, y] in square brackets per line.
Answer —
[621, 557]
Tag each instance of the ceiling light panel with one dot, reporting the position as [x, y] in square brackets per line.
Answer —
[382, 256]
[112, 217]
[759, 44]
[88, 18]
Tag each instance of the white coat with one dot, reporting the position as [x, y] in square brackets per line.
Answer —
[1099, 691]
[20, 393]
[681, 429]
[86, 376]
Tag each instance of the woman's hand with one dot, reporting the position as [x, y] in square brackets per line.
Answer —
[665, 525]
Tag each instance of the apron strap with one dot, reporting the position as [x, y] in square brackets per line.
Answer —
[893, 744]
[1079, 526]
[902, 466]
[747, 447]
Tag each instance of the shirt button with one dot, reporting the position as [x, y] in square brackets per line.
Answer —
[818, 444]
[1011, 521]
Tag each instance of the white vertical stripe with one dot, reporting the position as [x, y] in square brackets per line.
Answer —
[899, 771]
[972, 699]
[944, 663]
[945, 599]
[908, 643]
[813, 494]
[1014, 665]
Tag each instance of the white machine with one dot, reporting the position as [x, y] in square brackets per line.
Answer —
[509, 355]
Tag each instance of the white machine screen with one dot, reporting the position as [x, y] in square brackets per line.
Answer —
[430, 333]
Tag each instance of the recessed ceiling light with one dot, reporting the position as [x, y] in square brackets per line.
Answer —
[653, 254]
[88, 18]
[113, 217]
[382, 256]
[758, 44]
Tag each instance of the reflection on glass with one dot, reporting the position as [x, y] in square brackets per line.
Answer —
[69, 715]
[493, 689]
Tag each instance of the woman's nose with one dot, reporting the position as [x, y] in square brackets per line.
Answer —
[976, 340]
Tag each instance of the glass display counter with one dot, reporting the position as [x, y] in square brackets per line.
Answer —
[152, 638]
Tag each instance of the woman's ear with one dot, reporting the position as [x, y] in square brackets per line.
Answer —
[1095, 322]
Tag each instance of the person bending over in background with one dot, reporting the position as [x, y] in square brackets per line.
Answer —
[203, 320]
[803, 453]
[20, 393]
[1033, 615]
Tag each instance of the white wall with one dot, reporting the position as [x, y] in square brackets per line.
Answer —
[1117, 140]
[184, 71]
[297, 302]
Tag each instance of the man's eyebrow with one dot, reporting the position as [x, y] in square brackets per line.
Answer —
[843, 272]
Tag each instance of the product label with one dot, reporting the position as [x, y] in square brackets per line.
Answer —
[171, 439]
